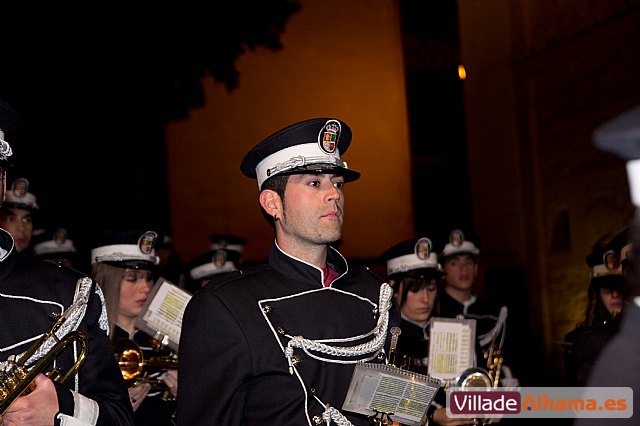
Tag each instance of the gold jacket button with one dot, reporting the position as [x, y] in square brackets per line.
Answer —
[267, 309]
[281, 330]
[317, 420]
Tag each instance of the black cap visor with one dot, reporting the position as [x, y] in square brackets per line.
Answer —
[349, 175]
[609, 281]
[133, 264]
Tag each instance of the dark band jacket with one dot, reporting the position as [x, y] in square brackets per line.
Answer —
[30, 291]
[291, 342]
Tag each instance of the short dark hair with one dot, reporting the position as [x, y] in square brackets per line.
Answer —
[278, 184]
[415, 281]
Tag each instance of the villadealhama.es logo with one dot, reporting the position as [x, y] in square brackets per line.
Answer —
[541, 402]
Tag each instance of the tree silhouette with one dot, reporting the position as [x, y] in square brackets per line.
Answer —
[95, 83]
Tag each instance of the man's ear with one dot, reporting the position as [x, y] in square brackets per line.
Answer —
[271, 203]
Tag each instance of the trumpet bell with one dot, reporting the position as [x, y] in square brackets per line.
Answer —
[129, 357]
[474, 378]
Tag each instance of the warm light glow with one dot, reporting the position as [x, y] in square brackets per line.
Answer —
[462, 73]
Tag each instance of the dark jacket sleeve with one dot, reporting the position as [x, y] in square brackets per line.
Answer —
[99, 378]
[214, 364]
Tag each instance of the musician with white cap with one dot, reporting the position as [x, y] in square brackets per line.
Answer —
[40, 299]
[459, 259]
[54, 245]
[414, 272]
[276, 343]
[17, 213]
[224, 255]
[602, 316]
[124, 263]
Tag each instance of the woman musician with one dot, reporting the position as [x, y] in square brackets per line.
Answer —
[123, 264]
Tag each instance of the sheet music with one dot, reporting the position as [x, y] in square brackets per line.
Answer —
[378, 388]
[451, 347]
[163, 311]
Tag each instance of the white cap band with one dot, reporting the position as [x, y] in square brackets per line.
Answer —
[232, 247]
[296, 156]
[210, 269]
[28, 200]
[48, 247]
[600, 270]
[409, 262]
[465, 247]
[120, 253]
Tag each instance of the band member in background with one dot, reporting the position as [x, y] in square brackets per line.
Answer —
[224, 255]
[601, 320]
[277, 343]
[54, 245]
[458, 298]
[124, 263]
[16, 213]
[414, 272]
[31, 291]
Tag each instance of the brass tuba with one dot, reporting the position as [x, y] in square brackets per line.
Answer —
[16, 378]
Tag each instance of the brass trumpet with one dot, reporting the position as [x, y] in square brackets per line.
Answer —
[136, 369]
[16, 378]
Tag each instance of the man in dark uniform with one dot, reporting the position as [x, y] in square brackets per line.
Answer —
[277, 343]
[459, 260]
[31, 291]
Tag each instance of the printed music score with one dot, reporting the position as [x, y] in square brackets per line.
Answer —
[380, 388]
[451, 347]
[163, 311]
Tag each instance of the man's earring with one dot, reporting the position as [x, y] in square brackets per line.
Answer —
[275, 218]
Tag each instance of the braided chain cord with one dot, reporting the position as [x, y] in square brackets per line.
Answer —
[380, 332]
[332, 413]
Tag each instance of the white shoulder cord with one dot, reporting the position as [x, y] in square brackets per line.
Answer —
[73, 314]
[379, 332]
[103, 321]
[332, 413]
[500, 326]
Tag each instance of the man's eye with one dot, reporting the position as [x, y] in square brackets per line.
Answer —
[314, 183]
[338, 184]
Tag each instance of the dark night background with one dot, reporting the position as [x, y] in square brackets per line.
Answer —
[96, 85]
